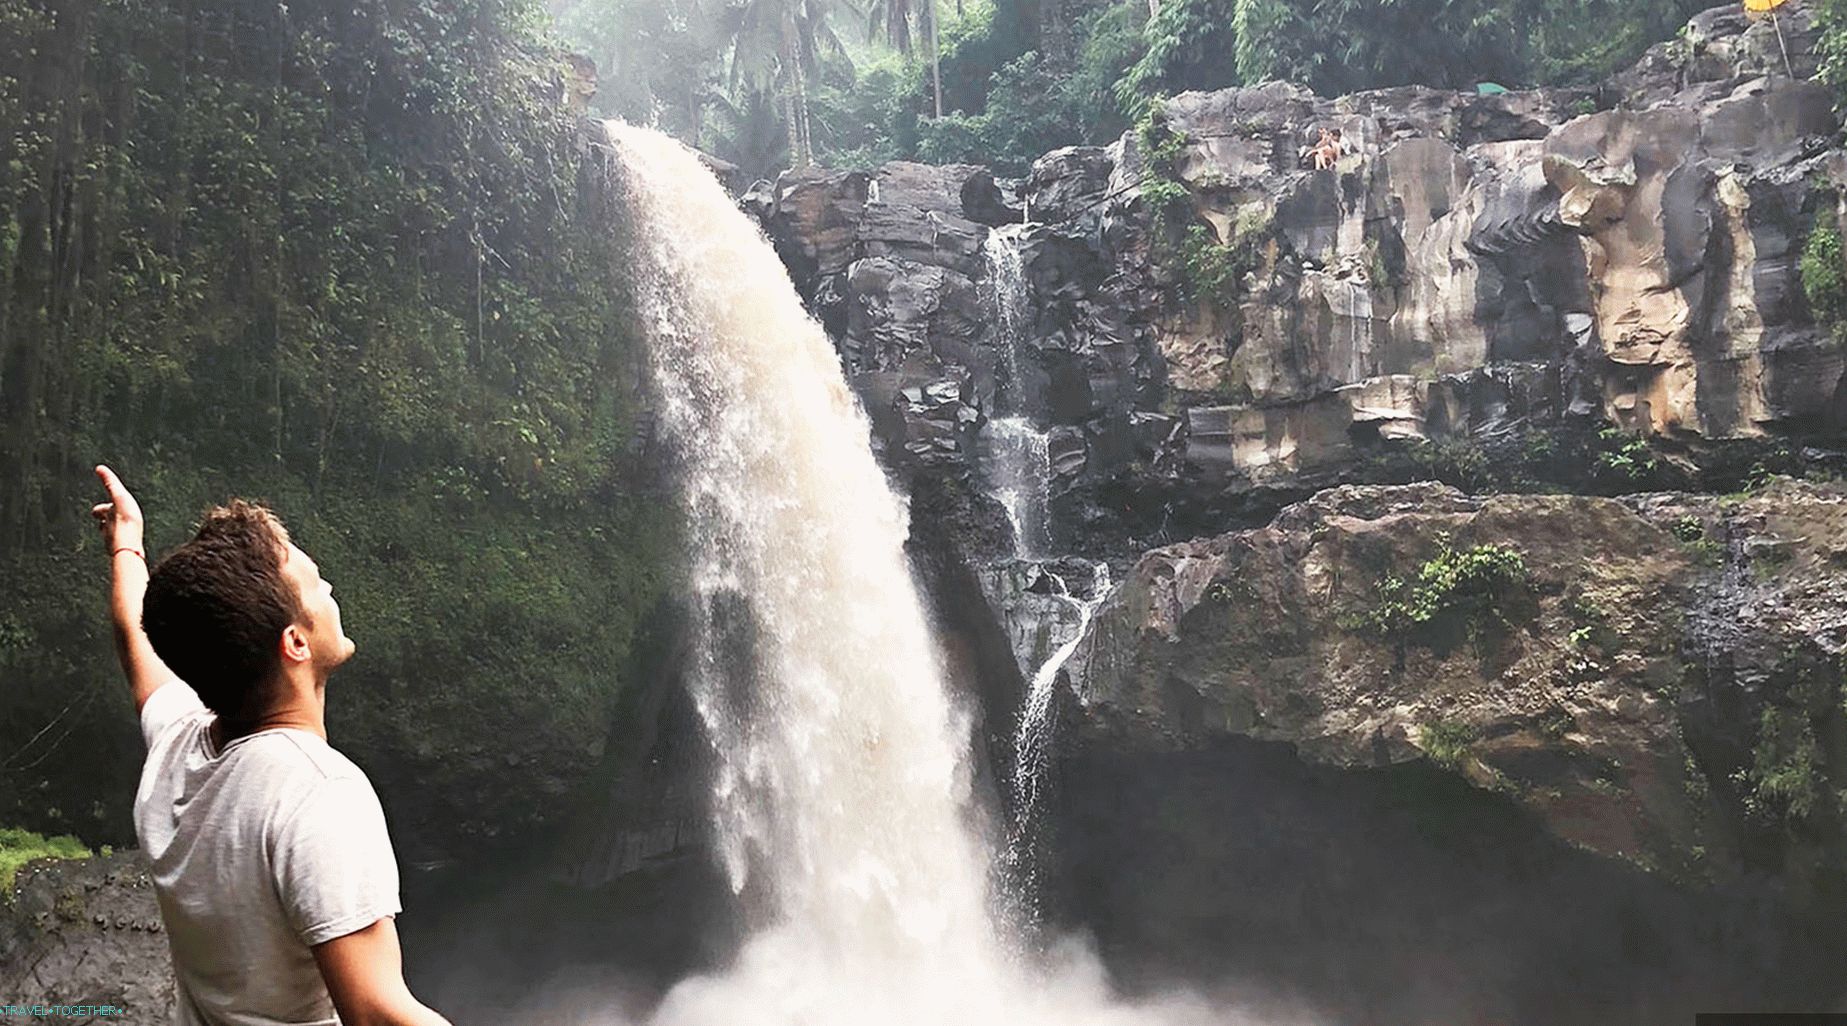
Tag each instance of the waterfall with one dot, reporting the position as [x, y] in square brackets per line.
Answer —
[1008, 297]
[1019, 476]
[1032, 739]
[841, 795]
[1018, 471]
[1018, 465]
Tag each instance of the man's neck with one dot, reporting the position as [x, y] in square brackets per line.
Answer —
[302, 706]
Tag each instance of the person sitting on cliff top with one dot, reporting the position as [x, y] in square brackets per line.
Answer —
[1326, 151]
[271, 860]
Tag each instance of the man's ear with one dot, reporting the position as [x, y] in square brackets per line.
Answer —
[294, 644]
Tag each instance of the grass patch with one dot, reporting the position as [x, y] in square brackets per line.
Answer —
[18, 847]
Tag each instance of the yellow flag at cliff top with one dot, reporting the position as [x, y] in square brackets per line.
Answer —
[1760, 6]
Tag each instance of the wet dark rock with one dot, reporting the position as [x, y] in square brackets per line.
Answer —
[86, 932]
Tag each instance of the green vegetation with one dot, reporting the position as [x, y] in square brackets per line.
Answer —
[1183, 47]
[1831, 18]
[1571, 457]
[1784, 779]
[1555, 723]
[1791, 781]
[353, 261]
[1447, 742]
[1605, 787]
[771, 83]
[1624, 457]
[1210, 271]
[1468, 587]
[18, 847]
[1824, 276]
[1769, 560]
[1461, 463]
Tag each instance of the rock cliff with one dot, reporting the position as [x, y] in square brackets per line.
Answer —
[1583, 311]
[1540, 282]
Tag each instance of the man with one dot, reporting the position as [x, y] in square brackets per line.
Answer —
[271, 860]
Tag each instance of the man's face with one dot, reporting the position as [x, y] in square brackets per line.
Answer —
[327, 642]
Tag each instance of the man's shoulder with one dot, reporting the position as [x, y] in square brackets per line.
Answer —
[301, 754]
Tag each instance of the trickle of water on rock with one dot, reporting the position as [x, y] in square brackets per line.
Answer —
[1019, 472]
[1032, 740]
[842, 791]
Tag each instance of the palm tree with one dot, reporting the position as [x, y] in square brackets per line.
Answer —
[777, 44]
[892, 20]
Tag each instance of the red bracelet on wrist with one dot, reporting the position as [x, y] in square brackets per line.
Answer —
[130, 548]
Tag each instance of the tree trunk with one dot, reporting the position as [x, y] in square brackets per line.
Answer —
[801, 107]
[1055, 36]
[791, 125]
[795, 103]
[936, 62]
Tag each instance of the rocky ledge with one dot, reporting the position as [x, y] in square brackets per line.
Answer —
[1658, 678]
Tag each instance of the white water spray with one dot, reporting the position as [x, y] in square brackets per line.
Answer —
[842, 788]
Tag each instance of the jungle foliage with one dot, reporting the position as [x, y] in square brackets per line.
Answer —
[345, 257]
[1020, 77]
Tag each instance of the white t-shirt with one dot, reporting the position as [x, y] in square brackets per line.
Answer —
[259, 852]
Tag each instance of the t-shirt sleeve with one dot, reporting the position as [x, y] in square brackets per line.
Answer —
[169, 704]
[334, 867]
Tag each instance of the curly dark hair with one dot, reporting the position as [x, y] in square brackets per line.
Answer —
[216, 607]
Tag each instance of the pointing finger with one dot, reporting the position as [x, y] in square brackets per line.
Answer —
[111, 482]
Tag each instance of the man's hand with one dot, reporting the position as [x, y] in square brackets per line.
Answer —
[123, 529]
[120, 517]
[364, 973]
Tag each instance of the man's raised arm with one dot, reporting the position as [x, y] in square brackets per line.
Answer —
[123, 527]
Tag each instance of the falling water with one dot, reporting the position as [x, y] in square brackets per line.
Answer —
[1019, 476]
[1017, 452]
[842, 790]
[1008, 298]
[1032, 739]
